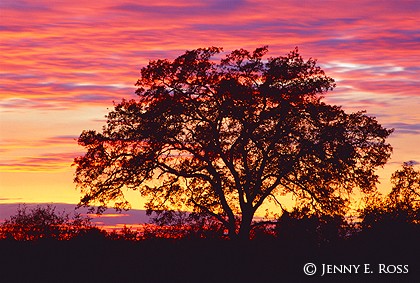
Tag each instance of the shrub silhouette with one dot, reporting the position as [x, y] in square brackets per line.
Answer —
[43, 222]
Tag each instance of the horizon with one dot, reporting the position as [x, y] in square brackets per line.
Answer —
[64, 64]
[109, 220]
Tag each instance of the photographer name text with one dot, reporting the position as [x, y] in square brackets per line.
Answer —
[363, 268]
[367, 268]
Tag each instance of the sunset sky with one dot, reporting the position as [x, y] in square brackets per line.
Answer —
[63, 63]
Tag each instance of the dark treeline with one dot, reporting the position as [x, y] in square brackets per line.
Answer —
[100, 259]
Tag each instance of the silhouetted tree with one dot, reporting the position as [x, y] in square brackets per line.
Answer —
[222, 138]
[43, 222]
[405, 193]
[401, 206]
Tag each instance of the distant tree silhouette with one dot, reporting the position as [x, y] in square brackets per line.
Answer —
[181, 224]
[405, 193]
[401, 206]
[313, 229]
[43, 222]
[221, 138]
[125, 234]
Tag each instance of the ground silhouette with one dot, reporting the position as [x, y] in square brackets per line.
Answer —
[97, 256]
[97, 259]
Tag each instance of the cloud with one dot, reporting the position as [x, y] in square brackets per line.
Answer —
[413, 162]
[64, 62]
[70, 95]
[40, 162]
[405, 128]
[10, 199]
[49, 142]
[109, 219]
[180, 9]
[342, 67]
[11, 104]
[22, 5]
[96, 47]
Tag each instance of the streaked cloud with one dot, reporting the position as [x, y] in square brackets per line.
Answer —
[405, 128]
[39, 162]
[63, 63]
[108, 220]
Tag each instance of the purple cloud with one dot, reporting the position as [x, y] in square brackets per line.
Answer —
[405, 128]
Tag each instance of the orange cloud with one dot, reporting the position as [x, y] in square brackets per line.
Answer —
[64, 62]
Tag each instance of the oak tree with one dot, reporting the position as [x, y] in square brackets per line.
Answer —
[221, 135]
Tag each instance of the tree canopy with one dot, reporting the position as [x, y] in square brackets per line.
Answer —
[400, 206]
[222, 135]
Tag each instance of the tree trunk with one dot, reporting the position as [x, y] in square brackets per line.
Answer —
[245, 228]
[232, 229]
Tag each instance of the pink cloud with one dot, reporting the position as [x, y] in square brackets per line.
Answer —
[109, 219]
[61, 55]
[39, 162]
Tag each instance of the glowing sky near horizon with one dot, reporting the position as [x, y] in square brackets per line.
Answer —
[63, 63]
